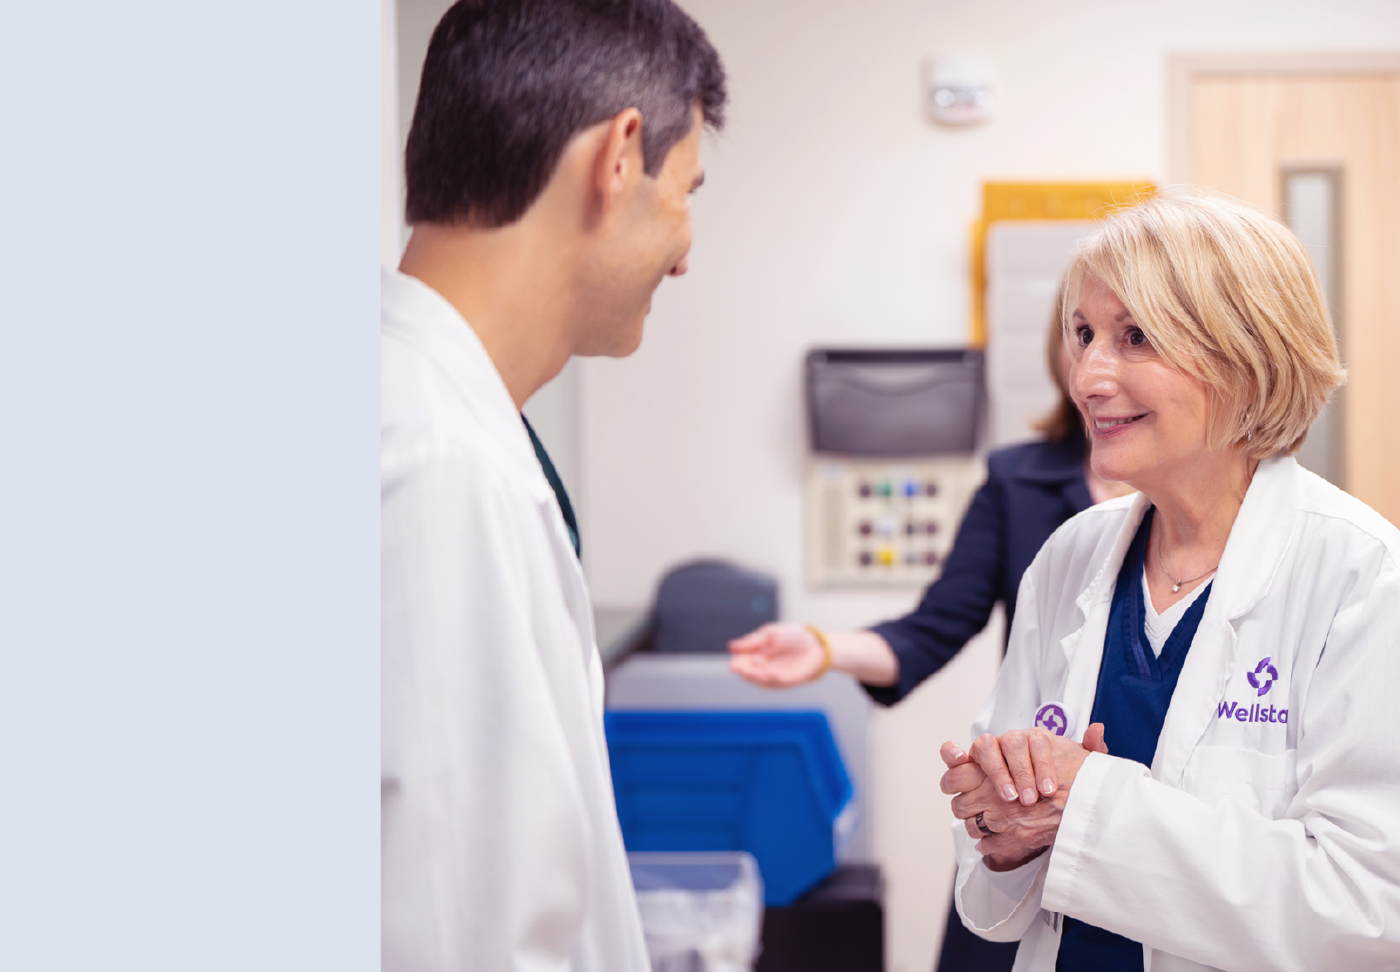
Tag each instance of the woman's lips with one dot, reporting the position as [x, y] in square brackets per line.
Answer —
[1108, 426]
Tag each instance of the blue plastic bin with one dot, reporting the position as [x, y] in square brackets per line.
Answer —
[770, 783]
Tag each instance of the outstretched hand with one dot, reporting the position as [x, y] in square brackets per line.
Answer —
[1018, 783]
[777, 656]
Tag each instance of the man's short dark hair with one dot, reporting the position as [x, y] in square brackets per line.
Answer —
[507, 83]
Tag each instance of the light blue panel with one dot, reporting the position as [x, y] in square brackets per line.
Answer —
[189, 537]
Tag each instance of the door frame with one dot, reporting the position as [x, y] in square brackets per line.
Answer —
[1184, 69]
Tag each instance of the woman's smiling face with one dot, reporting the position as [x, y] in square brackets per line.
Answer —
[1147, 419]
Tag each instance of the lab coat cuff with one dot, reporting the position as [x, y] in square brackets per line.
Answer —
[993, 902]
[1092, 799]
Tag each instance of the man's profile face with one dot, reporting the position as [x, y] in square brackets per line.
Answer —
[650, 241]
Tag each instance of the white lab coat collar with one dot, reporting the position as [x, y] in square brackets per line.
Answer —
[1259, 538]
[1253, 554]
[418, 315]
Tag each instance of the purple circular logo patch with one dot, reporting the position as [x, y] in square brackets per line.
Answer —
[1263, 677]
[1055, 718]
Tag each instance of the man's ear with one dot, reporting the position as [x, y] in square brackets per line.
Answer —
[619, 162]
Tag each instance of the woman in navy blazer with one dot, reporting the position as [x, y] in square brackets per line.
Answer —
[1030, 490]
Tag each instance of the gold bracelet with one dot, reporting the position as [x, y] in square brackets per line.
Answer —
[826, 651]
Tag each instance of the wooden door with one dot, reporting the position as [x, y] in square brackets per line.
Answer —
[1248, 133]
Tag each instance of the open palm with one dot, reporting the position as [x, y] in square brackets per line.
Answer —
[777, 656]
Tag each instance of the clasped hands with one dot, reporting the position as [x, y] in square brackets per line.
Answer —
[1018, 783]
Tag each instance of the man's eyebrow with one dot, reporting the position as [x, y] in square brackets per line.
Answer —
[699, 181]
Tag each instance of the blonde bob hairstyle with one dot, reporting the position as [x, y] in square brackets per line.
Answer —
[1227, 294]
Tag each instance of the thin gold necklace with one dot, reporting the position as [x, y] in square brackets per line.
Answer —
[1176, 584]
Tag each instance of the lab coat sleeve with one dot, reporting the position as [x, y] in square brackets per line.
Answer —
[486, 849]
[1000, 905]
[1226, 886]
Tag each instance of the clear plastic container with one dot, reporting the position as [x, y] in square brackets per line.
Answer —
[701, 912]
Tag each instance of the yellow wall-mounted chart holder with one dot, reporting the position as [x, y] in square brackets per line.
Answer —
[1039, 201]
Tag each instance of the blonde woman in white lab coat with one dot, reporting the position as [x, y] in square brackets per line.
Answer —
[1189, 758]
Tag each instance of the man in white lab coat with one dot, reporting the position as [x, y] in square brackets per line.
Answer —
[553, 149]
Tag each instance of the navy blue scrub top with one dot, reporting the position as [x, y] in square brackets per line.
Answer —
[1135, 688]
[1030, 490]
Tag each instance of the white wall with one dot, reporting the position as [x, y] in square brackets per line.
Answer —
[834, 214]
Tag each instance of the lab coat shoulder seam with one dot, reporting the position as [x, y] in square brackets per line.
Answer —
[1389, 546]
[495, 418]
[1087, 527]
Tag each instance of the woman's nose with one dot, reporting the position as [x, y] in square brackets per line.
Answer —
[1093, 374]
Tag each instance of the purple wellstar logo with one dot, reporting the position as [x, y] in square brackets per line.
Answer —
[1257, 676]
[1261, 679]
[1052, 718]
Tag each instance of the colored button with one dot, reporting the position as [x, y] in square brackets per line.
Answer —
[885, 488]
[931, 527]
[931, 559]
[911, 488]
[865, 528]
[865, 558]
[885, 556]
[864, 490]
[930, 488]
[910, 528]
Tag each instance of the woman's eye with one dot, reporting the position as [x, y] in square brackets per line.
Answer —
[1137, 339]
[1084, 336]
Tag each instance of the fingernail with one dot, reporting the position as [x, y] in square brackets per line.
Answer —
[1028, 796]
[1047, 787]
[1008, 791]
[956, 753]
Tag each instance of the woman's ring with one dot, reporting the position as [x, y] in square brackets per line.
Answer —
[982, 826]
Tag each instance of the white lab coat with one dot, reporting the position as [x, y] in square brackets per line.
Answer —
[1249, 845]
[501, 848]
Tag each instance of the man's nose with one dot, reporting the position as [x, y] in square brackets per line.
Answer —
[680, 268]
